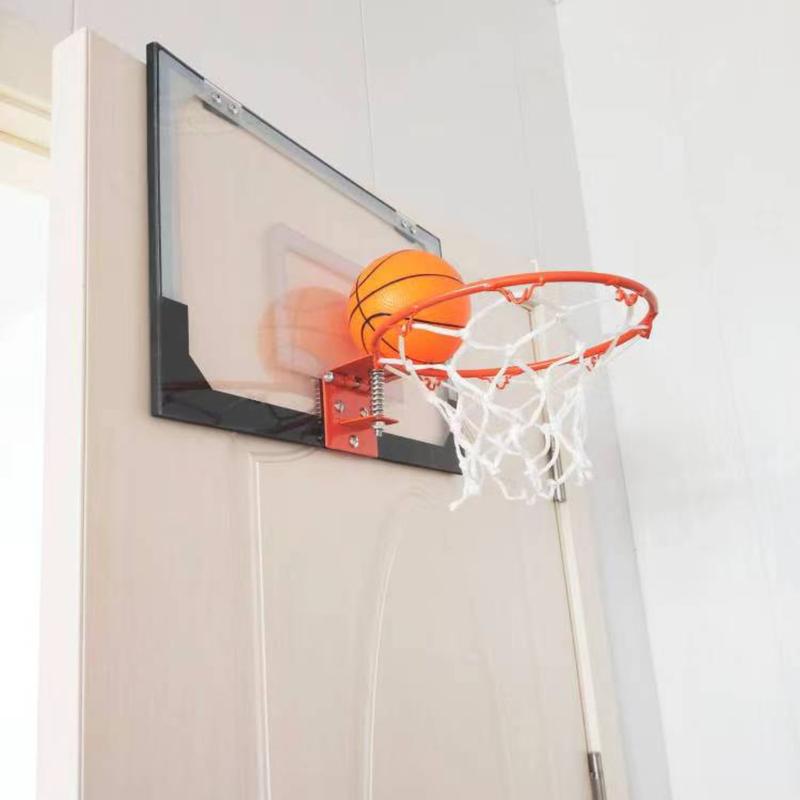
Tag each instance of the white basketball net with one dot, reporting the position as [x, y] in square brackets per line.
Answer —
[529, 441]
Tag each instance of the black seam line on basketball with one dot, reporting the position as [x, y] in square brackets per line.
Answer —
[436, 322]
[364, 324]
[427, 322]
[368, 321]
[360, 300]
[361, 281]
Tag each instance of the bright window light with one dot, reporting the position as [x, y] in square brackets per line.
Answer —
[23, 261]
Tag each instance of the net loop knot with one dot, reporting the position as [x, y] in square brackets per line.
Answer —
[517, 298]
[629, 298]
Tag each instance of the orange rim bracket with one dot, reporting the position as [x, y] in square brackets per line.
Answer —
[350, 424]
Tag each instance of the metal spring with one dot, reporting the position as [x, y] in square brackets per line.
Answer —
[376, 384]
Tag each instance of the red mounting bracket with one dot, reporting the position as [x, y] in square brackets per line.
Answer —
[346, 409]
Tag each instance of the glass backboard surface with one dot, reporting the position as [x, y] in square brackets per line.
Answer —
[255, 244]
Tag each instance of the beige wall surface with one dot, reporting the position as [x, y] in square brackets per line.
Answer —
[53, 18]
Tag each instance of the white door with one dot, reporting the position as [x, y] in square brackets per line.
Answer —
[234, 617]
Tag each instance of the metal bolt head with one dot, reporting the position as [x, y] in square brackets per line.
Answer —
[233, 108]
[339, 406]
[364, 412]
[328, 377]
[217, 98]
[408, 225]
[354, 441]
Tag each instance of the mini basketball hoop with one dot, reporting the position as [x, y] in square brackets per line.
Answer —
[519, 419]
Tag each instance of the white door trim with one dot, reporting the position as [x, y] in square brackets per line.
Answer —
[60, 691]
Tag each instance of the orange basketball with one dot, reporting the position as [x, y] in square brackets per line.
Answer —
[394, 281]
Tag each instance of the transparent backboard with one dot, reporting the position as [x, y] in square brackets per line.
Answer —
[255, 244]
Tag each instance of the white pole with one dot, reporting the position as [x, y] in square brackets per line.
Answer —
[580, 637]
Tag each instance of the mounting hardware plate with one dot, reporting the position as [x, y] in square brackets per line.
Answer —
[346, 409]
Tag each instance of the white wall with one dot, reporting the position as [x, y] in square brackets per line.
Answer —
[687, 129]
[458, 114]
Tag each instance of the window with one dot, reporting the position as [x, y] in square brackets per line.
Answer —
[23, 262]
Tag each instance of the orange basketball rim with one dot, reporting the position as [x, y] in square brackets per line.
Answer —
[628, 291]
